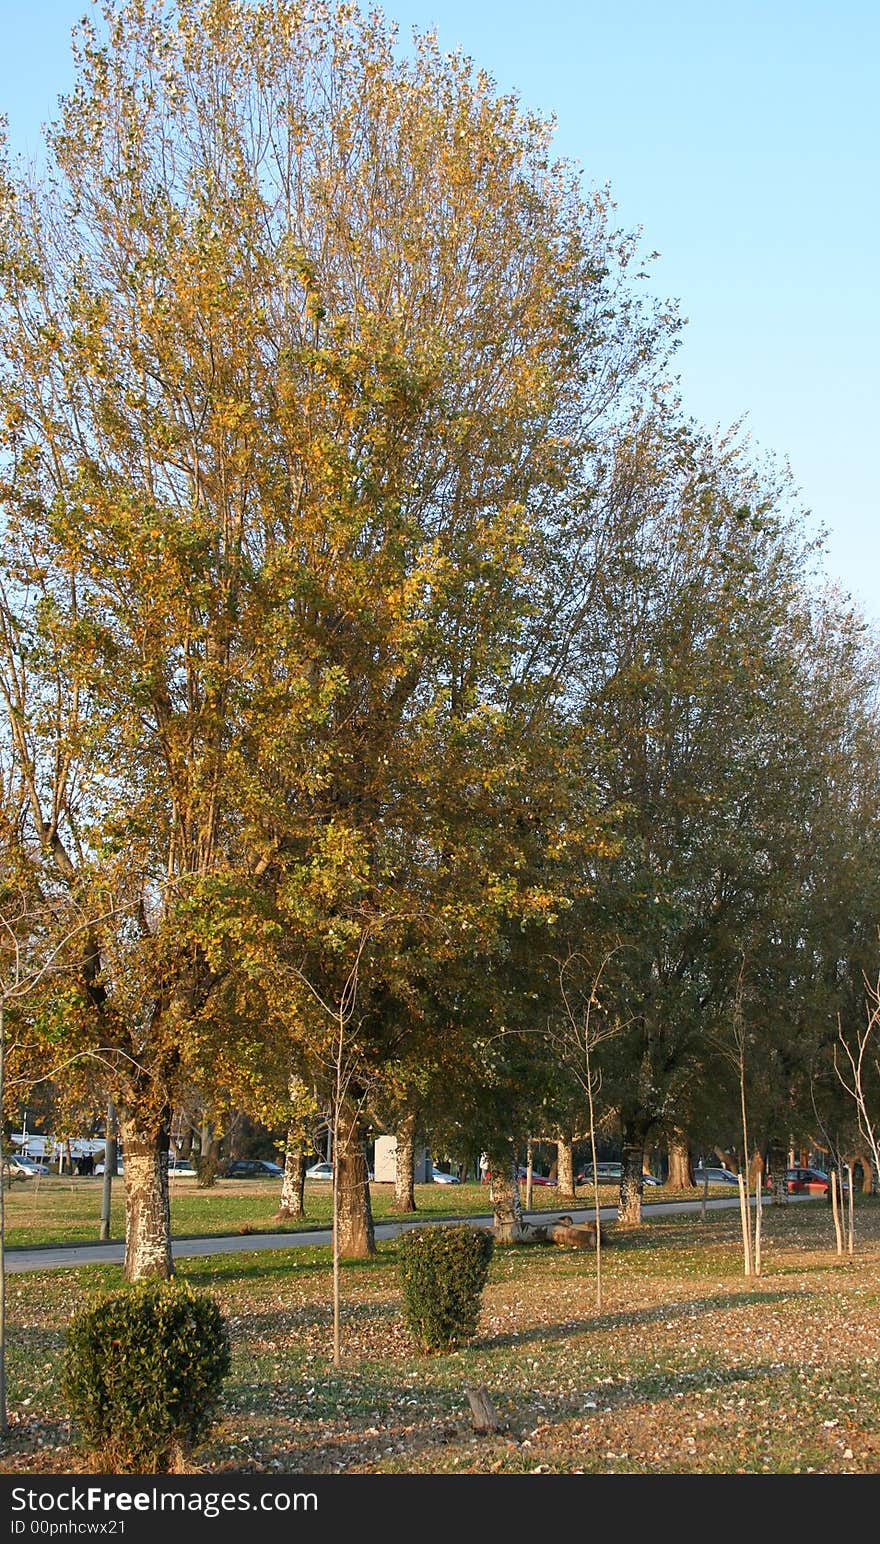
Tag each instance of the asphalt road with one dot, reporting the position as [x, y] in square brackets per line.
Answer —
[55, 1257]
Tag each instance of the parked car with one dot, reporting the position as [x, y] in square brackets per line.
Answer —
[611, 1174]
[814, 1182]
[183, 1169]
[715, 1176]
[440, 1177]
[251, 1168]
[606, 1174]
[325, 1171]
[23, 1168]
[537, 1179]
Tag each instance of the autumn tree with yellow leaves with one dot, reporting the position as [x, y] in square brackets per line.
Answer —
[304, 348]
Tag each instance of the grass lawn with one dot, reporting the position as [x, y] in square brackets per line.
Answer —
[60, 1210]
[689, 1368]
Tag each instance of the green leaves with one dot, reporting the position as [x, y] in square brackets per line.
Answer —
[143, 1371]
[442, 1273]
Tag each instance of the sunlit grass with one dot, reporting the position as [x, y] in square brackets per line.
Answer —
[56, 1209]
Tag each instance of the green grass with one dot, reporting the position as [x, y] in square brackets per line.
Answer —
[59, 1210]
[688, 1368]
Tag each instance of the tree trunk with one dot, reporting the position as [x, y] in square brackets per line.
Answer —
[777, 1159]
[356, 1235]
[681, 1170]
[745, 1223]
[404, 1187]
[504, 1195]
[629, 1206]
[147, 1210]
[530, 1171]
[837, 1228]
[565, 1190]
[236, 1130]
[293, 1183]
[863, 1160]
[110, 1167]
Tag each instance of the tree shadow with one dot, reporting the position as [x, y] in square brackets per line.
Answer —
[265, 1266]
[312, 1317]
[635, 1318]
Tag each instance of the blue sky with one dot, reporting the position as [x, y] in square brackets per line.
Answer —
[745, 142]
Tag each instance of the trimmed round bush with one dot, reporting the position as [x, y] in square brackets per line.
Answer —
[442, 1272]
[143, 1371]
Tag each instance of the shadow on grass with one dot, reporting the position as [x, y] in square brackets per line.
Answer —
[317, 1421]
[29, 1341]
[311, 1318]
[635, 1318]
[281, 1265]
[650, 1389]
[427, 1411]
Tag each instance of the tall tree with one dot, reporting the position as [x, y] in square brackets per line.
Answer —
[684, 672]
[302, 347]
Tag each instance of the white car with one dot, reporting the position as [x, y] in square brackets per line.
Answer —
[25, 1168]
[325, 1171]
[180, 1170]
[440, 1177]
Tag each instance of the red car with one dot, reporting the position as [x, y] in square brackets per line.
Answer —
[814, 1182]
[537, 1179]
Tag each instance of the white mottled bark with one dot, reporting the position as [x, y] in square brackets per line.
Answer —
[404, 1187]
[147, 1210]
[506, 1205]
[293, 1180]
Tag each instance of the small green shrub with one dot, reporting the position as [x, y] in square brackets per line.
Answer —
[142, 1372]
[442, 1272]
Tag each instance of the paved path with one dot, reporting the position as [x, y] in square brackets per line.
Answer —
[54, 1257]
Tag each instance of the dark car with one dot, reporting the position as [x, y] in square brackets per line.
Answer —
[611, 1174]
[252, 1168]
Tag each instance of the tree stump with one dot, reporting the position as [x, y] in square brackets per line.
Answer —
[483, 1416]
